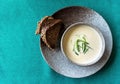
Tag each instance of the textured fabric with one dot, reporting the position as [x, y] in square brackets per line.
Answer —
[21, 61]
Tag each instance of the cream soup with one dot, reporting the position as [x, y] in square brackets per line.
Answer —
[82, 44]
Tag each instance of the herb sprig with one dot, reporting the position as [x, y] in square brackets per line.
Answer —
[81, 46]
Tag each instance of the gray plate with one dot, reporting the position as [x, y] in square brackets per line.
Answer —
[58, 62]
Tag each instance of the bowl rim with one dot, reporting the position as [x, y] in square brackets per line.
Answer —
[100, 34]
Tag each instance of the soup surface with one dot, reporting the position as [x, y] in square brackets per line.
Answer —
[82, 44]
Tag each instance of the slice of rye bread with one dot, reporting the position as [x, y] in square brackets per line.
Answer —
[49, 29]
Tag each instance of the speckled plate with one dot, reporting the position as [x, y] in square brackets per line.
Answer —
[58, 62]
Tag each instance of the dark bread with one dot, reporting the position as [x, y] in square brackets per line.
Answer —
[49, 29]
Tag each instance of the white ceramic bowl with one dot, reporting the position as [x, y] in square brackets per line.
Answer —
[98, 56]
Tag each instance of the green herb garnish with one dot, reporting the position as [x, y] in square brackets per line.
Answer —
[81, 46]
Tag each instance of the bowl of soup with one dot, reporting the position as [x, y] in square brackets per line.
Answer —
[82, 44]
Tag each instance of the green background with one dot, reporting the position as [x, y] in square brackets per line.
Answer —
[21, 61]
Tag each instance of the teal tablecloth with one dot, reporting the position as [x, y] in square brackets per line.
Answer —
[20, 58]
